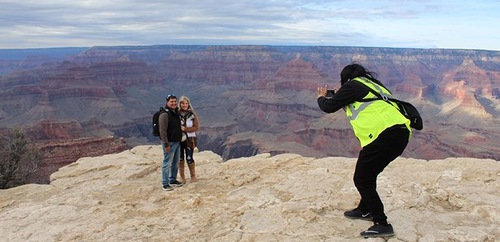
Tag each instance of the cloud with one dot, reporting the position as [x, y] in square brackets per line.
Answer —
[393, 23]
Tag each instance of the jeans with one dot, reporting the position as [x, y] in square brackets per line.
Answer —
[170, 164]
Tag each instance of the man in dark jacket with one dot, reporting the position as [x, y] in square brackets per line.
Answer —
[170, 134]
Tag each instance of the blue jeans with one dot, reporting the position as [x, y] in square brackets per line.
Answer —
[170, 163]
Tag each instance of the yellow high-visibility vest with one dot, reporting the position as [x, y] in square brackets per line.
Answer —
[369, 119]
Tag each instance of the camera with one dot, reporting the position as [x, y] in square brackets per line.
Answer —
[330, 93]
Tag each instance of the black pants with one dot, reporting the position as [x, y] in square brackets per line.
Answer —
[372, 160]
[186, 153]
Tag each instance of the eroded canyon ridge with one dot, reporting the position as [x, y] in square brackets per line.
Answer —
[78, 102]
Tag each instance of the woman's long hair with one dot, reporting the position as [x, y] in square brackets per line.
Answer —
[354, 70]
[190, 107]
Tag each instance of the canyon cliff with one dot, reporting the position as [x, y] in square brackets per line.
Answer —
[286, 197]
[250, 99]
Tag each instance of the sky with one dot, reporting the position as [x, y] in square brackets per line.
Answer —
[450, 24]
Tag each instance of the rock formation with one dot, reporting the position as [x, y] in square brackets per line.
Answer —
[286, 197]
[261, 98]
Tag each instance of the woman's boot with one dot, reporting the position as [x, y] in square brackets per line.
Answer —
[192, 171]
[181, 171]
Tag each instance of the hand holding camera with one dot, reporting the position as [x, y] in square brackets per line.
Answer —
[330, 93]
[325, 92]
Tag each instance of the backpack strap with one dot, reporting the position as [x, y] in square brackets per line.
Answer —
[378, 96]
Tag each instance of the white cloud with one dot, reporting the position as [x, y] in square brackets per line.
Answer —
[383, 23]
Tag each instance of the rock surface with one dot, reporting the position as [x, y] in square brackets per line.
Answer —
[287, 197]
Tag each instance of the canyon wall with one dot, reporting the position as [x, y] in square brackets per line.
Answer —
[250, 99]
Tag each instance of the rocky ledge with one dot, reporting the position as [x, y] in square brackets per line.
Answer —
[287, 197]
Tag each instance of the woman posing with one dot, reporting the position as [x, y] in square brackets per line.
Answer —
[190, 124]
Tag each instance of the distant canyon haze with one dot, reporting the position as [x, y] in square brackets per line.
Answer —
[79, 102]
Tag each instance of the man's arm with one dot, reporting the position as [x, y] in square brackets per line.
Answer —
[163, 124]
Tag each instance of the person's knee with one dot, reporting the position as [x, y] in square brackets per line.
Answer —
[362, 183]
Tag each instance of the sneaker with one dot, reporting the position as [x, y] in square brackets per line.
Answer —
[358, 214]
[176, 183]
[378, 230]
[167, 188]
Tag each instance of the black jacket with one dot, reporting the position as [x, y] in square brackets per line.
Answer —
[350, 92]
[170, 126]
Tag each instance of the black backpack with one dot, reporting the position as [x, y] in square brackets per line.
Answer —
[156, 117]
